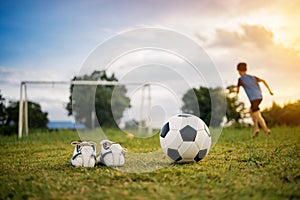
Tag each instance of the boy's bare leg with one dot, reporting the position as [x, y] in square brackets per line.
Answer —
[255, 123]
[257, 115]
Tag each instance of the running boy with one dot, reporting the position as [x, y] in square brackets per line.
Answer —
[253, 91]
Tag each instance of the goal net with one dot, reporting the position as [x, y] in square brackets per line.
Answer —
[53, 97]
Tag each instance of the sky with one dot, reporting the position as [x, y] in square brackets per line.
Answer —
[50, 40]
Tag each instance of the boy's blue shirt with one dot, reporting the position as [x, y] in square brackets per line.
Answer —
[251, 86]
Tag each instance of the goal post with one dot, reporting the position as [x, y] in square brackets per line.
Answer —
[23, 104]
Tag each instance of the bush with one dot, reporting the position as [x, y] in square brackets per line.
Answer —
[288, 115]
[8, 129]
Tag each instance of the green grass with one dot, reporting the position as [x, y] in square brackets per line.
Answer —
[237, 167]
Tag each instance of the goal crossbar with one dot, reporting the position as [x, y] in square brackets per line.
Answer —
[82, 82]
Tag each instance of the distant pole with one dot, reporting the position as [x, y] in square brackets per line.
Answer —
[93, 116]
[149, 111]
[141, 110]
[26, 109]
[21, 111]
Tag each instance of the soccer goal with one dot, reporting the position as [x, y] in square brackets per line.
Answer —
[23, 104]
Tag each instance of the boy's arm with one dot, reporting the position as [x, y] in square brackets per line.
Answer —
[237, 89]
[238, 86]
[266, 84]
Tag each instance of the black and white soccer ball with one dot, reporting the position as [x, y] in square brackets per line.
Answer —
[185, 138]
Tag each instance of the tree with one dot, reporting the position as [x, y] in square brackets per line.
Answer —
[81, 102]
[236, 111]
[36, 117]
[288, 115]
[206, 103]
[3, 114]
[209, 104]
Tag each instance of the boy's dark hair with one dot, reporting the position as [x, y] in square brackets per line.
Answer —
[242, 67]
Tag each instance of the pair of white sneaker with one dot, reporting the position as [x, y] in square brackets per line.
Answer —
[112, 154]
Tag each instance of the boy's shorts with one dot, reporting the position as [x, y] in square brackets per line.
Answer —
[254, 105]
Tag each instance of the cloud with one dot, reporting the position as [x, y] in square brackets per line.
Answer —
[14, 76]
[259, 35]
[10, 76]
[256, 36]
[256, 43]
[51, 97]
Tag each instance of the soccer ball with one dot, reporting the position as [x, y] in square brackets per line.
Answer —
[185, 138]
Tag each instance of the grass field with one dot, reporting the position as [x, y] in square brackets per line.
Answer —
[237, 167]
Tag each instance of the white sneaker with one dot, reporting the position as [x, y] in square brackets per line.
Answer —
[112, 154]
[84, 154]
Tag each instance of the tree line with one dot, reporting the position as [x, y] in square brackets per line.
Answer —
[9, 116]
[197, 101]
[286, 115]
